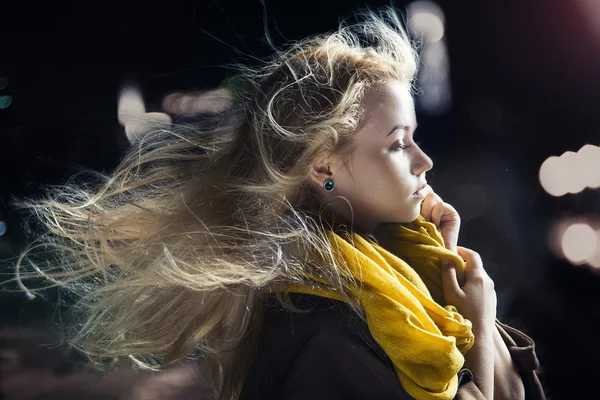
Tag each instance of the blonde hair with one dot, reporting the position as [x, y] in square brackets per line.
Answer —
[174, 253]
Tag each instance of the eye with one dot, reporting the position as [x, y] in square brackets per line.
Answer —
[400, 146]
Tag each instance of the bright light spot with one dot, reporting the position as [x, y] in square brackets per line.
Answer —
[436, 98]
[426, 19]
[434, 55]
[145, 122]
[131, 105]
[209, 102]
[572, 175]
[579, 242]
[594, 259]
[571, 172]
[550, 176]
[589, 165]
[2, 228]
[426, 22]
[556, 233]
[133, 115]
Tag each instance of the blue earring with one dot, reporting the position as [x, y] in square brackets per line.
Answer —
[328, 185]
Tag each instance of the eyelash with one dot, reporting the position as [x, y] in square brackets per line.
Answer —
[399, 147]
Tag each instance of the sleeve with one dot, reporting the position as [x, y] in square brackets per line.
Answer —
[522, 350]
[467, 389]
[339, 366]
[336, 367]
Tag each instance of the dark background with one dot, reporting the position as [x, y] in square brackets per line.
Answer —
[525, 85]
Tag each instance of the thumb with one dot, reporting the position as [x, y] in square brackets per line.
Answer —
[449, 278]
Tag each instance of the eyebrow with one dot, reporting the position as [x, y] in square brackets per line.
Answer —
[400, 126]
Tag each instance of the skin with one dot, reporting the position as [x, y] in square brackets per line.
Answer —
[377, 184]
[386, 161]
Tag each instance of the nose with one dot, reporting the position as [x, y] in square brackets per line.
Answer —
[421, 163]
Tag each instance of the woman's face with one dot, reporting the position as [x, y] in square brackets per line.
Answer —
[386, 168]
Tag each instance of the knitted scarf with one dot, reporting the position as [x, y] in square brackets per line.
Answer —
[401, 294]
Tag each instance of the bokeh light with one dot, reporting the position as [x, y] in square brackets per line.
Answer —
[133, 116]
[131, 105]
[194, 103]
[589, 165]
[594, 259]
[571, 172]
[579, 242]
[427, 20]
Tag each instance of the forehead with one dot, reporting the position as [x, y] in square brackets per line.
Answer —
[388, 104]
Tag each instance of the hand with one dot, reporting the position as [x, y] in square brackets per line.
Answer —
[443, 216]
[476, 299]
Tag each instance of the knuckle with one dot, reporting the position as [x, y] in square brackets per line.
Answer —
[450, 298]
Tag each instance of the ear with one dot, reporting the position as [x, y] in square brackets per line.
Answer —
[321, 168]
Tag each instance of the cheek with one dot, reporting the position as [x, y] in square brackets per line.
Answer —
[378, 175]
[384, 184]
[397, 173]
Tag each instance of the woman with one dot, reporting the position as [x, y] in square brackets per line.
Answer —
[286, 248]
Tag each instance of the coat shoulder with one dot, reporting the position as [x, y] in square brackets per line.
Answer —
[327, 340]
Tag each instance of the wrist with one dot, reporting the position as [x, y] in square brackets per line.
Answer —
[484, 329]
[484, 338]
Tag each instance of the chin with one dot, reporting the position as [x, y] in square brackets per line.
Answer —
[406, 217]
[407, 214]
[416, 213]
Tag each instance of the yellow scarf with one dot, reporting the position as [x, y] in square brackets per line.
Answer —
[402, 297]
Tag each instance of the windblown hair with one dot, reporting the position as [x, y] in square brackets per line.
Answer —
[175, 252]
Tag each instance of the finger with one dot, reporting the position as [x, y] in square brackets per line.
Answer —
[449, 279]
[436, 213]
[474, 264]
[450, 245]
[463, 252]
[427, 205]
[426, 209]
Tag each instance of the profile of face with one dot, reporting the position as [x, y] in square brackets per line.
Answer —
[379, 180]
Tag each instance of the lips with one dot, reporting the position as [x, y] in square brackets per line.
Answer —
[421, 188]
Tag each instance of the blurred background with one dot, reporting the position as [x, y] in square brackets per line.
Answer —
[508, 110]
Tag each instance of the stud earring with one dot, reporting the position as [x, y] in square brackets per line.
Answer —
[328, 185]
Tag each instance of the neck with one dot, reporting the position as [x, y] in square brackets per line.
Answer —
[339, 220]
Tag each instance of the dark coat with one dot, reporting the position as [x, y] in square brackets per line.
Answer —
[329, 353]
